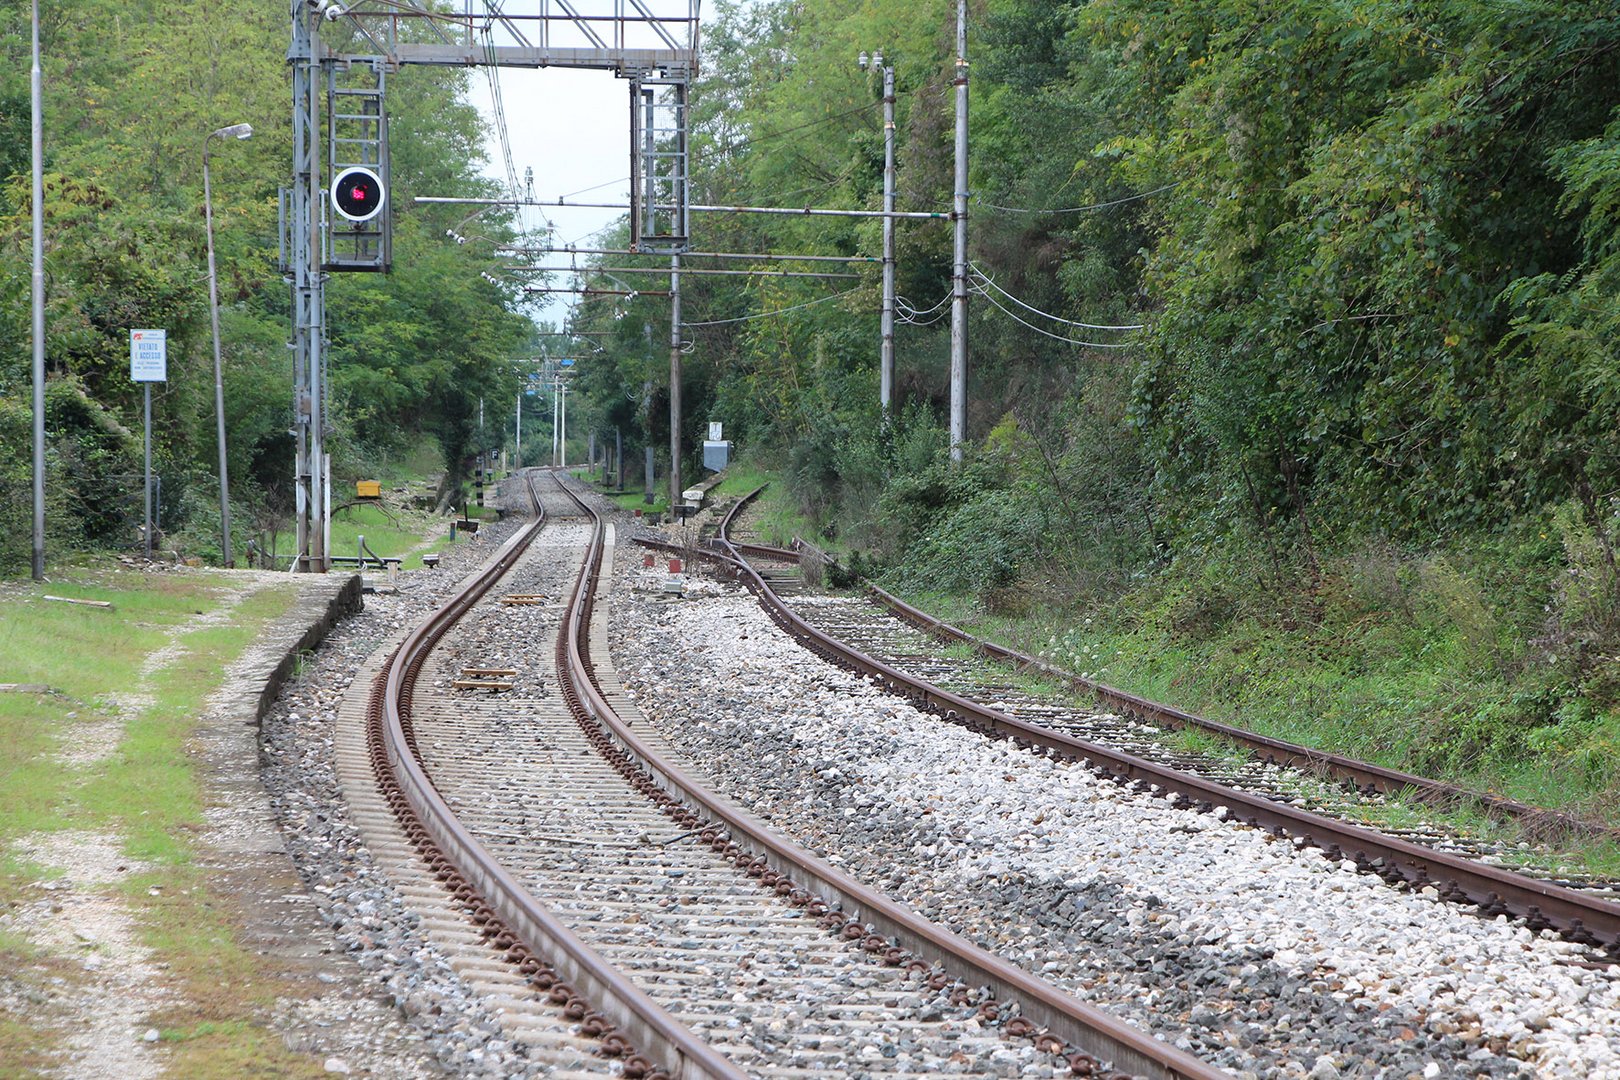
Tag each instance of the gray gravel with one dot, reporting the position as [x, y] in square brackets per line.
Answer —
[368, 917]
[1268, 959]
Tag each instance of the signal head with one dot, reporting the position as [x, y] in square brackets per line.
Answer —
[358, 194]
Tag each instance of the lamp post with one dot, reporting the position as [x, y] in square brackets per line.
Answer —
[235, 131]
[38, 202]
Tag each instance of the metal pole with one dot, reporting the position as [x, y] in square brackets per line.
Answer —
[38, 124]
[886, 392]
[556, 399]
[147, 527]
[518, 456]
[647, 478]
[309, 301]
[618, 458]
[219, 381]
[959, 291]
[674, 382]
[562, 440]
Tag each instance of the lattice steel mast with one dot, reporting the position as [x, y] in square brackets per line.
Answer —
[652, 43]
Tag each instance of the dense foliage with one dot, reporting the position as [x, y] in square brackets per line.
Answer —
[131, 89]
[1368, 431]
[1373, 244]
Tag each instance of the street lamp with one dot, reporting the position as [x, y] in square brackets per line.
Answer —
[235, 131]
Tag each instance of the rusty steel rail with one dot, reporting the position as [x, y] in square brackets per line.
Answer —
[861, 911]
[1495, 891]
[1366, 776]
[628, 1023]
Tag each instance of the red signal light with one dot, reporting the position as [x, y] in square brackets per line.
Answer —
[357, 194]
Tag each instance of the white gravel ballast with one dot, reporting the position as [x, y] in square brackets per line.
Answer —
[1265, 958]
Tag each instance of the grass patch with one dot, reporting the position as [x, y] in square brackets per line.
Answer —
[633, 501]
[147, 792]
[26, 1048]
[1412, 693]
[1193, 740]
[775, 517]
[89, 655]
[740, 481]
[223, 989]
[23, 1050]
[150, 791]
[388, 531]
[226, 1050]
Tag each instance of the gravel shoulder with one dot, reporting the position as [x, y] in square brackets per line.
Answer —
[1270, 960]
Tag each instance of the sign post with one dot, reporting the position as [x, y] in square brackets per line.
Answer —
[148, 363]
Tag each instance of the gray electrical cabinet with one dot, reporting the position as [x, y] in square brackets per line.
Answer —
[716, 453]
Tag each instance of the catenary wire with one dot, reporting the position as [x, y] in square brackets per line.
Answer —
[1075, 209]
[778, 311]
[1044, 333]
[1048, 315]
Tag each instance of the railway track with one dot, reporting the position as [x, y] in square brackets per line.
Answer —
[900, 656]
[615, 907]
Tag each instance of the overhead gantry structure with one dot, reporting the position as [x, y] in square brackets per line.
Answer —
[341, 57]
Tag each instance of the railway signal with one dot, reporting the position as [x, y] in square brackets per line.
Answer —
[358, 194]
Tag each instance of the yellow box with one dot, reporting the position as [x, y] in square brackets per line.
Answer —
[368, 489]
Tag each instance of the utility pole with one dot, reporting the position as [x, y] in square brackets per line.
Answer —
[556, 403]
[309, 295]
[959, 290]
[562, 439]
[518, 456]
[674, 382]
[887, 389]
[38, 125]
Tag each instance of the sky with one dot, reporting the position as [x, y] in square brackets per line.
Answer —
[572, 128]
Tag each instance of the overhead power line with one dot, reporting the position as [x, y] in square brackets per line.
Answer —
[1044, 333]
[570, 249]
[750, 140]
[911, 316]
[1077, 209]
[790, 211]
[757, 271]
[769, 314]
[987, 279]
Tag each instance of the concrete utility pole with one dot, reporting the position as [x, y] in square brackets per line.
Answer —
[887, 390]
[674, 382]
[38, 125]
[518, 455]
[959, 289]
[886, 379]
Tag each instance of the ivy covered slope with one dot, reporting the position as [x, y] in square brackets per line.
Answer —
[1356, 477]
[132, 87]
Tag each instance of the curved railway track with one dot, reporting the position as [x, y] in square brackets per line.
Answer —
[661, 920]
[1585, 916]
